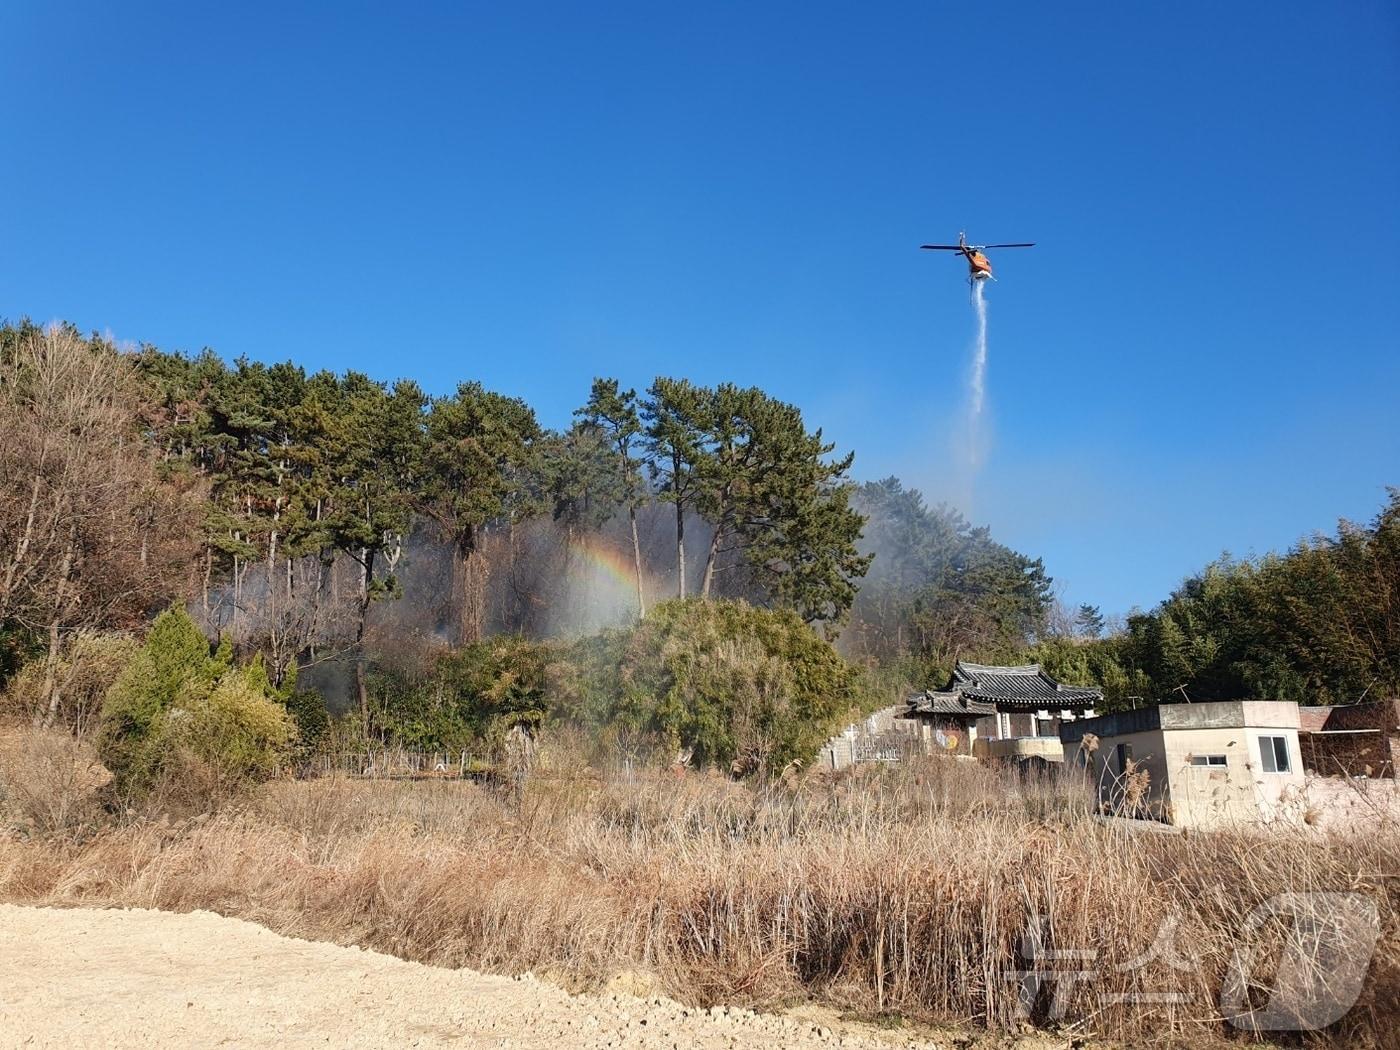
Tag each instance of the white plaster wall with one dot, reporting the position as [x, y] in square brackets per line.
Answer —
[1016, 747]
[1241, 793]
[1204, 796]
[1104, 772]
[1278, 793]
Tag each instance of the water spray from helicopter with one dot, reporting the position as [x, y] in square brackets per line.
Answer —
[979, 273]
[979, 353]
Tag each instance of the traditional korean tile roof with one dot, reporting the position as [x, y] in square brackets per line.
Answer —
[1022, 688]
[931, 703]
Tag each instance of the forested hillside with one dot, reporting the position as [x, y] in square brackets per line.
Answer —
[671, 567]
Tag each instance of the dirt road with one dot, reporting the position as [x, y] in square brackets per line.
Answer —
[77, 978]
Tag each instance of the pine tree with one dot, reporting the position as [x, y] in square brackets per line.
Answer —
[772, 494]
[478, 462]
[1089, 621]
[613, 412]
[674, 414]
[374, 446]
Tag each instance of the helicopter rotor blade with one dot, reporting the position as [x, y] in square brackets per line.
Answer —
[942, 247]
[1030, 245]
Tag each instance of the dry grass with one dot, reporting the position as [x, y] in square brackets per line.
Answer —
[50, 781]
[892, 891]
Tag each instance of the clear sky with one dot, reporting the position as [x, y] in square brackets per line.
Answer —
[1202, 353]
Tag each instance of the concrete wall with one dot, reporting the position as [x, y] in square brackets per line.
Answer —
[1279, 795]
[1240, 792]
[880, 736]
[1018, 748]
[884, 720]
[837, 753]
[1102, 768]
[1222, 714]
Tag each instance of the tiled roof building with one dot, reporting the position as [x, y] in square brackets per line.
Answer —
[1023, 688]
[1015, 701]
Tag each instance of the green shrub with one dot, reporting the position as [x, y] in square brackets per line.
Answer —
[233, 729]
[308, 710]
[174, 661]
[306, 706]
[177, 711]
[740, 687]
[469, 697]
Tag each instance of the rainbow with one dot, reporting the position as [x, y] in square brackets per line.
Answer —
[604, 578]
[595, 558]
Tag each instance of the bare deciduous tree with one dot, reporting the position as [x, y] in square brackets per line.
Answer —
[91, 534]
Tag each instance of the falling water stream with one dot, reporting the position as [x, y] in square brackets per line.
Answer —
[979, 360]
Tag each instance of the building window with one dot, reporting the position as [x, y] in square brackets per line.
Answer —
[1208, 760]
[1125, 756]
[1273, 753]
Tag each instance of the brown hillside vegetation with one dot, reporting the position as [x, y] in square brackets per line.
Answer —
[899, 892]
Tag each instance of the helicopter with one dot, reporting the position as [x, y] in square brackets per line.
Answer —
[979, 267]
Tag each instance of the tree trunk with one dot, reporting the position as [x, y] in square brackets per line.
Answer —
[270, 572]
[22, 547]
[208, 575]
[680, 527]
[237, 590]
[51, 690]
[462, 592]
[715, 537]
[637, 562]
[362, 691]
[361, 682]
[470, 589]
[710, 562]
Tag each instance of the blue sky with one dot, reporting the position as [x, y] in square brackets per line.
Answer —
[1202, 353]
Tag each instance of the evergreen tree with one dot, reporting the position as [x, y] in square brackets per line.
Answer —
[374, 447]
[174, 661]
[940, 588]
[478, 464]
[578, 478]
[770, 493]
[675, 416]
[1089, 621]
[613, 412]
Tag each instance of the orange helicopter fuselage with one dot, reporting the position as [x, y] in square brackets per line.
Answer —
[979, 265]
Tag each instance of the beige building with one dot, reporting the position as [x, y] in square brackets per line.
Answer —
[1195, 765]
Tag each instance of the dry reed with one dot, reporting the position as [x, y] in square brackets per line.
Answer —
[902, 890]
